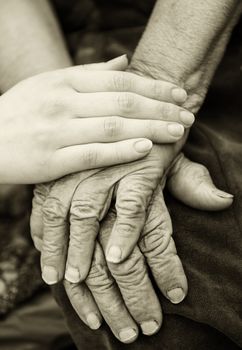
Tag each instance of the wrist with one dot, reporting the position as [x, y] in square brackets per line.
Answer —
[196, 91]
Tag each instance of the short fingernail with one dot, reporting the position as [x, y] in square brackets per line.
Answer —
[179, 95]
[127, 335]
[143, 146]
[50, 275]
[223, 194]
[93, 321]
[187, 117]
[176, 295]
[114, 254]
[119, 58]
[175, 129]
[149, 327]
[72, 274]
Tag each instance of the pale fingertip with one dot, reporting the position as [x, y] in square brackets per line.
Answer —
[114, 254]
[187, 117]
[143, 146]
[149, 327]
[72, 275]
[50, 275]
[179, 95]
[176, 295]
[93, 321]
[175, 129]
[127, 335]
[223, 194]
[119, 63]
[121, 58]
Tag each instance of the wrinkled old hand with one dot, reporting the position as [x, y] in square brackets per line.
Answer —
[88, 202]
[86, 193]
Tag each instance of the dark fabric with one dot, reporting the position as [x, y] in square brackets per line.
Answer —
[177, 333]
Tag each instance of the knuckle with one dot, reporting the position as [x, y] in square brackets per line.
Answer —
[113, 126]
[51, 251]
[54, 104]
[121, 81]
[133, 203]
[156, 242]
[90, 157]
[153, 130]
[126, 102]
[132, 272]
[156, 89]
[167, 110]
[54, 211]
[74, 291]
[99, 278]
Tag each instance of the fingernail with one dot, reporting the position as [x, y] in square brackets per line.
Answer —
[119, 58]
[143, 146]
[127, 335]
[175, 129]
[50, 275]
[223, 194]
[114, 254]
[72, 274]
[176, 295]
[179, 95]
[187, 117]
[93, 321]
[149, 327]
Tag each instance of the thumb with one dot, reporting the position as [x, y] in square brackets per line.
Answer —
[191, 183]
[119, 63]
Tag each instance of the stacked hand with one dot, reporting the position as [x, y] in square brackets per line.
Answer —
[70, 214]
[84, 117]
[120, 292]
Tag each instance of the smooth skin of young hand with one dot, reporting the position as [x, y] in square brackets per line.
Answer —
[85, 117]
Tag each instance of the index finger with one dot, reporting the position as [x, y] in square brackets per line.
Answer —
[119, 81]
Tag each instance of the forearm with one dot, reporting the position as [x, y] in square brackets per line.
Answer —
[184, 42]
[30, 41]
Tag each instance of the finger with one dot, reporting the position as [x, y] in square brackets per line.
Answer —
[90, 202]
[83, 303]
[191, 183]
[36, 219]
[56, 227]
[126, 104]
[134, 283]
[91, 156]
[118, 63]
[114, 80]
[113, 129]
[159, 249]
[132, 198]
[109, 299]
[55, 240]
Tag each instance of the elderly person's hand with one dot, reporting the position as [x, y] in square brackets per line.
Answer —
[88, 202]
[131, 276]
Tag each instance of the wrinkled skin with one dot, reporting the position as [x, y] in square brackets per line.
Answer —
[88, 196]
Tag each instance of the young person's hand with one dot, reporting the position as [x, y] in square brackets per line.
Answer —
[85, 117]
